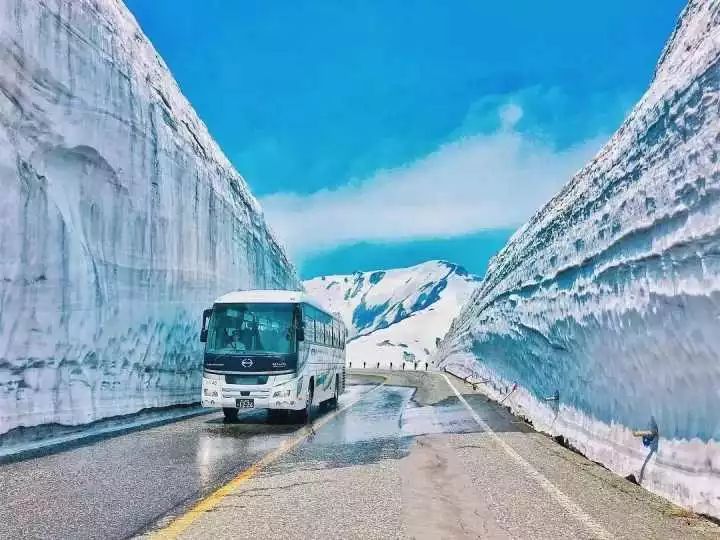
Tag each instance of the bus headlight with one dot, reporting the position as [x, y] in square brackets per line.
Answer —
[213, 376]
[285, 392]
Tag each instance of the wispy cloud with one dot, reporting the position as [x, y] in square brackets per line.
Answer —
[478, 182]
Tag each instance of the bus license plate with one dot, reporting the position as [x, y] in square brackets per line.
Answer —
[245, 403]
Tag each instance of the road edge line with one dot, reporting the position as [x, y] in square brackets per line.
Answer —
[181, 523]
[550, 488]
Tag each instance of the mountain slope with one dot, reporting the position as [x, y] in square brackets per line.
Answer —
[610, 294]
[395, 315]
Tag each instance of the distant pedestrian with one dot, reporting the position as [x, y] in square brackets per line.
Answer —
[403, 366]
[364, 365]
[426, 366]
[390, 365]
[378, 365]
[415, 366]
[350, 364]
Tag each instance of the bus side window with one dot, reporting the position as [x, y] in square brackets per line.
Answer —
[311, 332]
[309, 329]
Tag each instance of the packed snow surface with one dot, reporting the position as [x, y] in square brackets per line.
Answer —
[120, 220]
[395, 316]
[610, 294]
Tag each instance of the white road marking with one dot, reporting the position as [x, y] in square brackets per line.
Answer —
[552, 490]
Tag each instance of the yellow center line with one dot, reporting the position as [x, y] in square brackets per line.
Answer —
[181, 523]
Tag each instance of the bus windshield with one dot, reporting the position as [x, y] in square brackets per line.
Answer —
[252, 328]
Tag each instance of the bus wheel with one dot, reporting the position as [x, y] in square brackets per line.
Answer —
[231, 414]
[306, 413]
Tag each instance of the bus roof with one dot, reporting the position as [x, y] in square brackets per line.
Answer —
[270, 297]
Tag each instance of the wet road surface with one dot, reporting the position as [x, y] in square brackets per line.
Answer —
[405, 459]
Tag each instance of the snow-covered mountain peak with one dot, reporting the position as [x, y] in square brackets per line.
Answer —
[368, 301]
[397, 313]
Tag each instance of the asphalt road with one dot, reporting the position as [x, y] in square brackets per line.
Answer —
[412, 457]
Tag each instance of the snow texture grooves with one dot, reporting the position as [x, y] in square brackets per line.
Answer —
[120, 219]
[610, 294]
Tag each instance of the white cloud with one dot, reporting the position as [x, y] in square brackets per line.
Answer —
[510, 115]
[478, 182]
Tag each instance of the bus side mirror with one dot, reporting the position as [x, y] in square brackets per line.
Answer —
[203, 329]
[300, 334]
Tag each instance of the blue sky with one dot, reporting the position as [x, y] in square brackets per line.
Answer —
[381, 133]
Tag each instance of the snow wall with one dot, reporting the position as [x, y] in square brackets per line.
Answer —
[120, 220]
[610, 294]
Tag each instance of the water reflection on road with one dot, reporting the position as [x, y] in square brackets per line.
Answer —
[116, 487]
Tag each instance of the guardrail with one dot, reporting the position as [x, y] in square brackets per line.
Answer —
[475, 380]
[401, 366]
[472, 380]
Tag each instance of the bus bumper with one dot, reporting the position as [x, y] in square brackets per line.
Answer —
[218, 394]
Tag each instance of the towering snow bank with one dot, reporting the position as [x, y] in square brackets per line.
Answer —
[610, 294]
[120, 219]
[395, 316]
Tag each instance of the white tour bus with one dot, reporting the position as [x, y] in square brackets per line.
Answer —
[275, 350]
